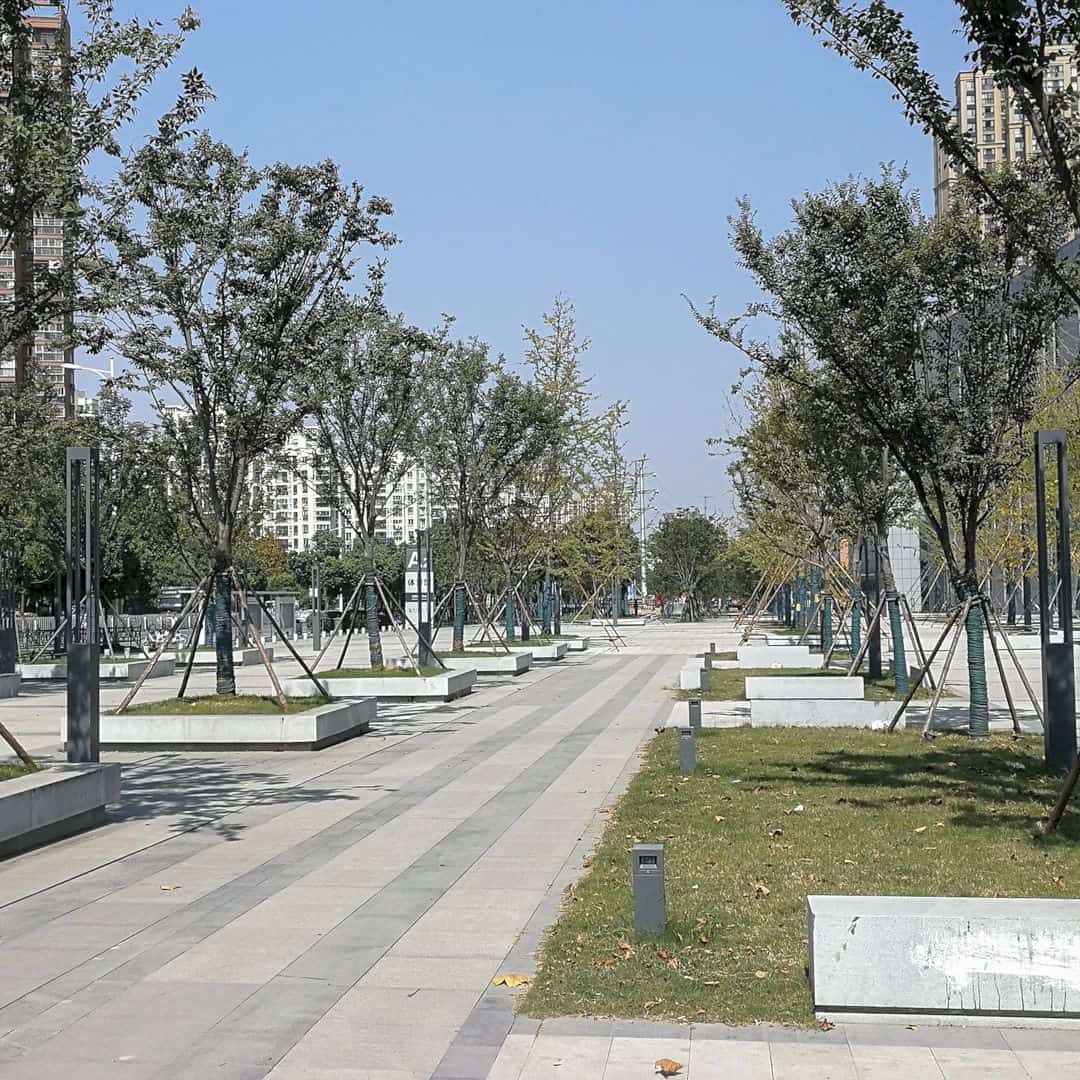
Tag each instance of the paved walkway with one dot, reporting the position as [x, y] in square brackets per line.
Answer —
[342, 914]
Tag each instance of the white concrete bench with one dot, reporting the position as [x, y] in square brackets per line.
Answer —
[778, 656]
[692, 677]
[945, 960]
[822, 713]
[829, 687]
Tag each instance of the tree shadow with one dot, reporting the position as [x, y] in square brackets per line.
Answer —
[985, 784]
[204, 792]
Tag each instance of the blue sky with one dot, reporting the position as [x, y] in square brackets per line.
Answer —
[594, 149]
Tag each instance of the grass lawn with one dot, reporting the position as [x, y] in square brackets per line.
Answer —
[894, 815]
[12, 771]
[729, 684]
[378, 673]
[722, 655]
[223, 704]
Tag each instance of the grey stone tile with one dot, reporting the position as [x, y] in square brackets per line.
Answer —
[466, 1061]
[972, 1038]
[578, 1025]
[645, 1029]
[1042, 1039]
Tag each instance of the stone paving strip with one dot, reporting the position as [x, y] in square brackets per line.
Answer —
[174, 967]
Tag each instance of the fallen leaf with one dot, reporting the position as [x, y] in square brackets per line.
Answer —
[939, 824]
[777, 832]
[761, 890]
[798, 809]
[649, 1004]
[719, 818]
[667, 1067]
[826, 1025]
[627, 949]
[921, 829]
[511, 981]
[169, 888]
[761, 974]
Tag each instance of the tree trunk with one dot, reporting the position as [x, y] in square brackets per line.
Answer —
[459, 617]
[545, 605]
[979, 710]
[557, 606]
[223, 635]
[371, 613]
[511, 619]
[896, 622]
[371, 608]
[826, 623]
[856, 620]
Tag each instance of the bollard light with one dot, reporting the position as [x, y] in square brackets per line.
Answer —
[708, 661]
[687, 750]
[712, 648]
[695, 713]
[650, 904]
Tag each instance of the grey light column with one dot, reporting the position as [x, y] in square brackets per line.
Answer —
[83, 598]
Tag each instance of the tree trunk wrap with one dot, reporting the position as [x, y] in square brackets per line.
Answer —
[557, 607]
[545, 605]
[459, 617]
[856, 621]
[826, 623]
[511, 618]
[899, 654]
[979, 710]
[223, 638]
[371, 617]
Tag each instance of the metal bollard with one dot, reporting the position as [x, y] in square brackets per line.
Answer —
[712, 648]
[687, 750]
[650, 903]
[695, 713]
[708, 661]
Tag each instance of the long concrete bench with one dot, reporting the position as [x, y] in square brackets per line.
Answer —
[945, 960]
[801, 687]
[778, 656]
[822, 713]
[692, 676]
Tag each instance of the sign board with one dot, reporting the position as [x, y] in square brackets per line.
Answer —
[419, 586]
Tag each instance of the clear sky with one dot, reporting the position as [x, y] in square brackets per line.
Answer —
[589, 147]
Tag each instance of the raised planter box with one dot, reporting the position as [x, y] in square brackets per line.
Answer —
[945, 960]
[107, 669]
[445, 687]
[778, 656]
[9, 685]
[60, 800]
[539, 652]
[618, 622]
[241, 657]
[512, 663]
[817, 713]
[577, 644]
[691, 677]
[322, 726]
[801, 687]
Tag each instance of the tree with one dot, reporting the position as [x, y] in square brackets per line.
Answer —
[931, 332]
[686, 550]
[560, 476]
[136, 540]
[61, 115]
[488, 428]
[221, 288]
[1015, 41]
[369, 397]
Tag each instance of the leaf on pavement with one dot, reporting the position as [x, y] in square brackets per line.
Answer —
[512, 981]
[667, 1067]
[169, 888]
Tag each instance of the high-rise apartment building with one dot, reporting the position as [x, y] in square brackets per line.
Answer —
[40, 243]
[989, 116]
[300, 498]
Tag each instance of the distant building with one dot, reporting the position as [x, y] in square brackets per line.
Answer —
[301, 497]
[40, 242]
[988, 115]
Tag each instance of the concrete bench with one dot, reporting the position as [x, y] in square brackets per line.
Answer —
[778, 656]
[945, 960]
[796, 687]
[692, 677]
[822, 713]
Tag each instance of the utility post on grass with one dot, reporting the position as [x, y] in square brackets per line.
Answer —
[82, 602]
[1059, 685]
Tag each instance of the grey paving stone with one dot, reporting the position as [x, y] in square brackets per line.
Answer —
[577, 1025]
[467, 1061]
[1042, 1039]
[972, 1038]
